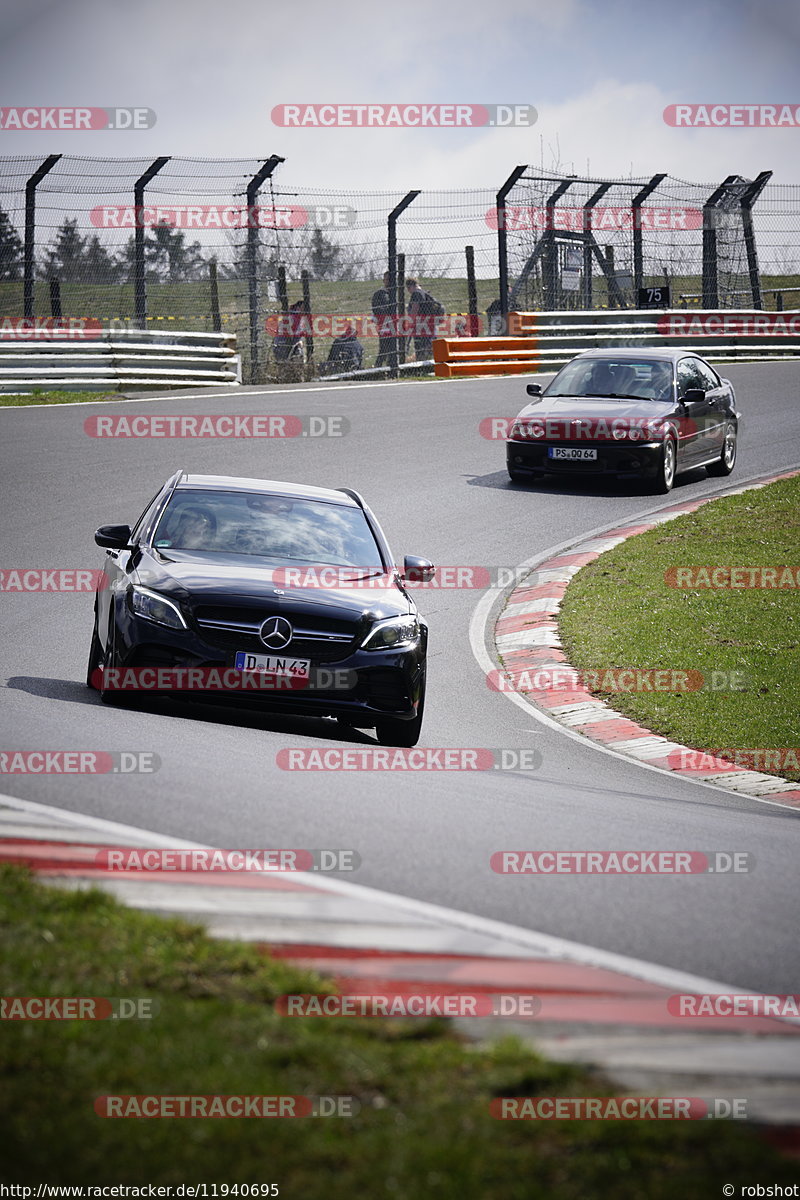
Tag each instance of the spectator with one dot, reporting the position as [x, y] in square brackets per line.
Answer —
[422, 305]
[289, 344]
[383, 312]
[346, 353]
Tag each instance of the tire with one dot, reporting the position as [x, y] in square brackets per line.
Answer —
[391, 732]
[727, 459]
[95, 658]
[110, 696]
[666, 468]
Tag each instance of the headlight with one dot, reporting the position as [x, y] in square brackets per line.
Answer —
[394, 634]
[156, 608]
[525, 430]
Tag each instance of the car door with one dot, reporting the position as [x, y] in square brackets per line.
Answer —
[697, 415]
[716, 397]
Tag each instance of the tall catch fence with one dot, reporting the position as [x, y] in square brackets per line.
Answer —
[229, 246]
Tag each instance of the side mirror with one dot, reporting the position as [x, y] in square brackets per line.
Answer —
[534, 389]
[113, 537]
[692, 395]
[417, 570]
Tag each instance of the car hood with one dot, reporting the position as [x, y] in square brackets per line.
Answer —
[568, 407]
[203, 578]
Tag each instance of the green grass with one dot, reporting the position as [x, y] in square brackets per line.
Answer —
[423, 1129]
[37, 397]
[619, 612]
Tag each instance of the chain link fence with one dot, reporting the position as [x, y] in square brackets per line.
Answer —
[228, 245]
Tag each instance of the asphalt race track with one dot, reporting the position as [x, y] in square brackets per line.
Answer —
[440, 490]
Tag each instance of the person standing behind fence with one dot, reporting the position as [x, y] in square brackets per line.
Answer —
[423, 310]
[383, 312]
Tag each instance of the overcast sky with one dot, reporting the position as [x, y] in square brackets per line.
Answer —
[599, 73]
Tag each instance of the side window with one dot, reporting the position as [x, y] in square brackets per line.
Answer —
[141, 525]
[708, 377]
[688, 376]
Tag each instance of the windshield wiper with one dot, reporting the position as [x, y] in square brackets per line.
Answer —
[617, 396]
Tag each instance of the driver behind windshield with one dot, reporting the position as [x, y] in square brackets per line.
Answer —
[195, 530]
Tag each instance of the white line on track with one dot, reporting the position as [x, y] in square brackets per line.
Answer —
[479, 635]
[542, 944]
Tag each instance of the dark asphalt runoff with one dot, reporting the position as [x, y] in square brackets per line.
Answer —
[440, 490]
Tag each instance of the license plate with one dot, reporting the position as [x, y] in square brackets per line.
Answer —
[272, 664]
[573, 453]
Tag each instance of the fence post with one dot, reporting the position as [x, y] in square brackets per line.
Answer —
[401, 306]
[55, 300]
[393, 289]
[747, 201]
[283, 297]
[710, 279]
[251, 256]
[139, 282]
[586, 231]
[502, 240]
[472, 293]
[30, 231]
[636, 209]
[304, 276]
[550, 260]
[216, 319]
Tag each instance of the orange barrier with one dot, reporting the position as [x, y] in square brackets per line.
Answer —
[522, 324]
[484, 356]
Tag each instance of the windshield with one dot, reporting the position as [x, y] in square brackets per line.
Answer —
[623, 378]
[267, 526]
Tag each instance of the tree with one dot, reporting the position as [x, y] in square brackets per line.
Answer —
[65, 258]
[10, 249]
[99, 266]
[324, 257]
[167, 256]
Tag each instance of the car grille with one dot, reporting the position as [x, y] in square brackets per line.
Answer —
[319, 639]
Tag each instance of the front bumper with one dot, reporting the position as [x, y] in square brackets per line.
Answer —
[613, 458]
[362, 686]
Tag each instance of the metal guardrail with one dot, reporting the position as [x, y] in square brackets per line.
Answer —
[118, 358]
[547, 340]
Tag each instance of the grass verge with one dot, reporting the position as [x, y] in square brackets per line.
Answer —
[619, 612]
[27, 398]
[423, 1128]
